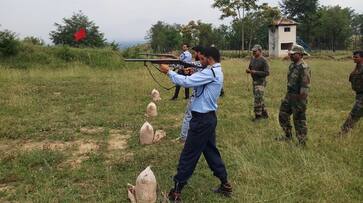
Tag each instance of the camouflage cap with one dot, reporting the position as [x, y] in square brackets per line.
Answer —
[257, 47]
[298, 49]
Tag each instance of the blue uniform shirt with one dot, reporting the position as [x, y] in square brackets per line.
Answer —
[206, 85]
[186, 56]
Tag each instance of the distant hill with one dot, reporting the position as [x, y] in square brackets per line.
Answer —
[126, 44]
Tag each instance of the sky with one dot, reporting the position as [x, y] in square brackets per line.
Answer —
[119, 20]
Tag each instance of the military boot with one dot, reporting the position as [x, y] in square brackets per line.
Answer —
[302, 140]
[285, 138]
[257, 118]
[265, 114]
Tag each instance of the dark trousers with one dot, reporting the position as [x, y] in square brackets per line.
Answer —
[177, 89]
[201, 139]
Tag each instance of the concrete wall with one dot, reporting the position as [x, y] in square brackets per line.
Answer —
[280, 36]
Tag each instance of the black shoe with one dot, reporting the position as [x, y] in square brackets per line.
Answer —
[174, 196]
[264, 114]
[174, 98]
[186, 97]
[257, 118]
[301, 143]
[224, 189]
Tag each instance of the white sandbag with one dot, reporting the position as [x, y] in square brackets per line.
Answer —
[155, 95]
[145, 189]
[151, 110]
[146, 134]
[159, 134]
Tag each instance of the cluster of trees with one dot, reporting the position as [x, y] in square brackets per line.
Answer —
[10, 44]
[167, 37]
[325, 27]
[321, 27]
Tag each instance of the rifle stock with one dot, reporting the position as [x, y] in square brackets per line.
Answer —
[164, 61]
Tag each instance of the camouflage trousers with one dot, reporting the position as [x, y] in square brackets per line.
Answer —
[354, 115]
[296, 107]
[258, 93]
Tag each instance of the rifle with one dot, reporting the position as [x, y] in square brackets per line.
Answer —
[164, 61]
[159, 55]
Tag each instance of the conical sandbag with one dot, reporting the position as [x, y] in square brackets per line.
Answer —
[146, 134]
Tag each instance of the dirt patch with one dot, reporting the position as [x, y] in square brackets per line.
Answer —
[80, 153]
[87, 147]
[115, 131]
[46, 145]
[92, 131]
[6, 188]
[117, 142]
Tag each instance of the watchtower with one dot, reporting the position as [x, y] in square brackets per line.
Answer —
[281, 37]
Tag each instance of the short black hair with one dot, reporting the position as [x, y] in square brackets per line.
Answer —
[360, 53]
[197, 48]
[212, 52]
[186, 44]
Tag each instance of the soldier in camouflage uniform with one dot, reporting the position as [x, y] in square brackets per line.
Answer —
[295, 101]
[259, 70]
[356, 79]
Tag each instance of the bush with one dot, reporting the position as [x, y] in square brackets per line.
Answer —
[33, 40]
[9, 44]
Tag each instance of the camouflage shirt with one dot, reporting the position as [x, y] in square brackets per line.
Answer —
[298, 78]
[356, 78]
[261, 68]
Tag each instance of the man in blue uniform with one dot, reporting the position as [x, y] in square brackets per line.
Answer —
[202, 128]
[186, 56]
[188, 113]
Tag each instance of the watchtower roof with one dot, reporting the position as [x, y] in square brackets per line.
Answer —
[284, 22]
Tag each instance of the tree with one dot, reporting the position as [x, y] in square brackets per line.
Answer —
[357, 28]
[258, 23]
[9, 43]
[190, 33]
[235, 9]
[164, 37]
[334, 30]
[64, 34]
[303, 12]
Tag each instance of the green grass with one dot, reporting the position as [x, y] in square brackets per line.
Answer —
[51, 105]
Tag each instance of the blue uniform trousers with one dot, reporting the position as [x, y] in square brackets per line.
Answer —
[201, 139]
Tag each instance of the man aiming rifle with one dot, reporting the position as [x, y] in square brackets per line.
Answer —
[202, 127]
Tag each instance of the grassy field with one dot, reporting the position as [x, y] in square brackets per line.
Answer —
[71, 134]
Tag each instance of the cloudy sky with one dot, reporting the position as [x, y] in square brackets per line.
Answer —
[120, 20]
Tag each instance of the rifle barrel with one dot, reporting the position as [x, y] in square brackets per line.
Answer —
[164, 61]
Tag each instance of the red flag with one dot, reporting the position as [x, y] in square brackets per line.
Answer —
[81, 34]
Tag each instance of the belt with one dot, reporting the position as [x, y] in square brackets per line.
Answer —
[194, 113]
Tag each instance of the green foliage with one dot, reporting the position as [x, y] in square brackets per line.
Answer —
[30, 56]
[64, 34]
[33, 40]
[357, 29]
[334, 30]
[234, 8]
[9, 44]
[257, 25]
[164, 37]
